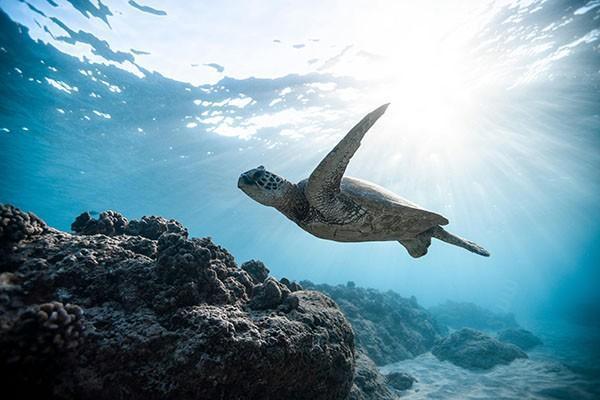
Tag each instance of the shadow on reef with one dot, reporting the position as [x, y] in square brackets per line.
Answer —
[388, 327]
[136, 309]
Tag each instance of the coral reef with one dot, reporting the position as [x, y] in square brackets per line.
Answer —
[112, 223]
[38, 331]
[400, 380]
[388, 327]
[269, 294]
[293, 286]
[475, 350]
[459, 315]
[257, 270]
[16, 225]
[368, 381]
[522, 338]
[138, 310]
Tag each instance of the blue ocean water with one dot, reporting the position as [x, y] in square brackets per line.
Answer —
[494, 122]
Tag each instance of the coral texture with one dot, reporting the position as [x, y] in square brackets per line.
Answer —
[475, 350]
[112, 223]
[139, 311]
[369, 383]
[388, 327]
[522, 338]
[400, 380]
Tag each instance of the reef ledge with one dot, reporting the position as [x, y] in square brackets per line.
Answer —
[137, 310]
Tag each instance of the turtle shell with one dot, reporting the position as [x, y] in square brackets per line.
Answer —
[378, 200]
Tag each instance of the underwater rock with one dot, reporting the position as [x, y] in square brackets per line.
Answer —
[16, 225]
[140, 245]
[522, 338]
[40, 331]
[268, 294]
[257, 270]
[388, 327]
[108, 223]
[112, 223]
[109, 317]
[369, 383]
[152, 227]
[34, 338]
[459, 315]
[400, 380]
[475, 350]
[293, 286]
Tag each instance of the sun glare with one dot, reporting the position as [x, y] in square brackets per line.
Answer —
[426, 72]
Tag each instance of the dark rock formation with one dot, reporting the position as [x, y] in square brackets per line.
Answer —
[475, 350]
[112, 223]
[468, 315]
[108, 223]
[16, 225]
[257, 270]
[293, 286]
[521, 338]
[400, 380]
[388, 327]
[369, 383]
[145, 317]
[39, 332]
[269, 294]
[152, 227]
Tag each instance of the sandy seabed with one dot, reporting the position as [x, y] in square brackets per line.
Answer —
[538, 377]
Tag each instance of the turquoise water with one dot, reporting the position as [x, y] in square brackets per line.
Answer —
[494, 122]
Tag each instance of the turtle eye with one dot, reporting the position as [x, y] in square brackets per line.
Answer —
[261, 167]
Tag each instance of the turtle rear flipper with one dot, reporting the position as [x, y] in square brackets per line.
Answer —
[418, 246]
[440, 233]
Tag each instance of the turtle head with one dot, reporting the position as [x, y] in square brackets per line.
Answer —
[265, 187]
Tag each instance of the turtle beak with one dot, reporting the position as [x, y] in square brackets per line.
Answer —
[245, 180]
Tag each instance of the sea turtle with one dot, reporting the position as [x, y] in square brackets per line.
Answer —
[332, 206]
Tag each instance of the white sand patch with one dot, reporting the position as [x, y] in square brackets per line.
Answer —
[535, 378]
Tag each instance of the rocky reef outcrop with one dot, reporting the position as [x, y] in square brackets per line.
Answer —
[369, 383]
[475, 350]
[400, 380]
[388, 327]
[112, 223]
[137, 310]
[459, 315]
[522, 338]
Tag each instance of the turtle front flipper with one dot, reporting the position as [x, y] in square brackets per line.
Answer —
[324, 182]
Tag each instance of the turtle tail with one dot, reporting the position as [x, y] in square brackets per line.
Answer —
[439, 233]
